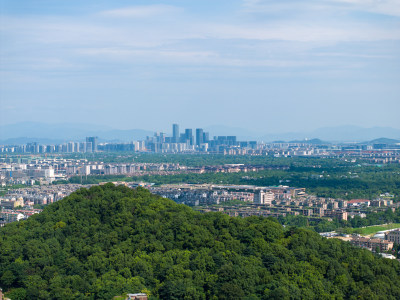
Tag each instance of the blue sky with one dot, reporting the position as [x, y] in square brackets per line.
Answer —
[269, 66]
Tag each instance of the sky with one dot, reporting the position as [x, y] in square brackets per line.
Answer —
[267, 66]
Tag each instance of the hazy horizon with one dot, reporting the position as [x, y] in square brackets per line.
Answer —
[25, 132]
[168, 128]
[261, 65]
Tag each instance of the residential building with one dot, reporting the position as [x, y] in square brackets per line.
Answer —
[263, 197]
[393, 236]
[372, 244]
[93, 141]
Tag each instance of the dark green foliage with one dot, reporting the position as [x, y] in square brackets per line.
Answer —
[107, 241]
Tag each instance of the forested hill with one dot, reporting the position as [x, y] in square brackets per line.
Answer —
[109, 240]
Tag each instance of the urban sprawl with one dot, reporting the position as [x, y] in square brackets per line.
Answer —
[200, 142]
[31, 165]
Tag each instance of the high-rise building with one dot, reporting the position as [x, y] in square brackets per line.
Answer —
[82, 147]
[189, 136]
[89, 147]
[175, 133]
[206, 137]
[199, 136]
[231, 140]
[93, 140]
[71, 147]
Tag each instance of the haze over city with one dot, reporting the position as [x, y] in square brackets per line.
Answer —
[265, 66]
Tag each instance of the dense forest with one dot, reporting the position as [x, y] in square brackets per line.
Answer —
[110, 240]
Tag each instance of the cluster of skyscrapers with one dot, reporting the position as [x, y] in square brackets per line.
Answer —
[186, 137]
[187, 142]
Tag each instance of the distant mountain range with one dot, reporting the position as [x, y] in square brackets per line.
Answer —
[318, 136]
[241, 133]
[384, 141]
[338, 134]
[21, 133]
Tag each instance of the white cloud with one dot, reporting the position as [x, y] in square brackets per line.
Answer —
[66, 43]
[386, 7]
[355, 55]
[142, 11]
[123, 54]
[324, 33]
[203, 58]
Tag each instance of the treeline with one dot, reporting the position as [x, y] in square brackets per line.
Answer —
[107, 241]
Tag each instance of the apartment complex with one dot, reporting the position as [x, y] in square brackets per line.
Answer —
[372, 244]
[393, 236]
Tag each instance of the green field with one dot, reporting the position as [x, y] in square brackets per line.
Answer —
[374, 229]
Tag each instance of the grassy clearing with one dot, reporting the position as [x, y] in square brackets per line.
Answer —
[374, 229]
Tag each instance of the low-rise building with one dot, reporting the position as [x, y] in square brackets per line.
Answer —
[263, 197]
[358, 202]
[393, 236]
[140, 296]
[372, 244]
[338, 214]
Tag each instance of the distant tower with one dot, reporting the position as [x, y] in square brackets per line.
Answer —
[199, 136]
[206, 137]
[71, 147]
[189, 136]
[93, 140]
[175, 133]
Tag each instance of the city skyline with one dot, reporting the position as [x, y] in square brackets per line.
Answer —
[259, 65]
[202, 142]
[28, 132]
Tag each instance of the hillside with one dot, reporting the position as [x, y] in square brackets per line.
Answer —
[384, 141]
[109, 240]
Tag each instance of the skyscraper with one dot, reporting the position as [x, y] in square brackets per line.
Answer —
[71, 147]
[189, 136]
[199, 136]
[89, 147]
[93, 140]
[206, 137]
[175, 133]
